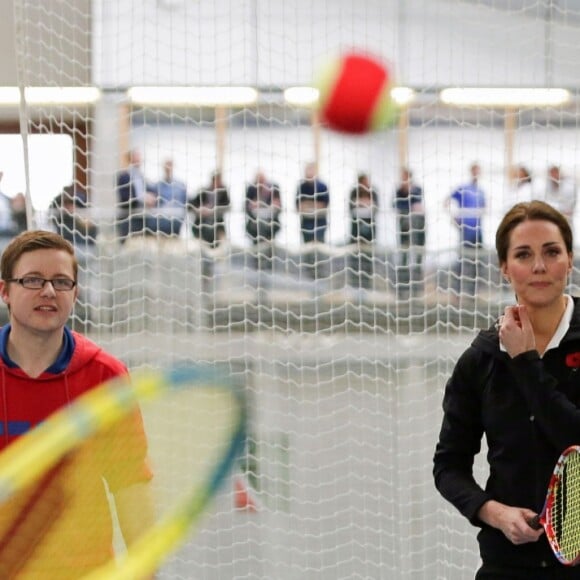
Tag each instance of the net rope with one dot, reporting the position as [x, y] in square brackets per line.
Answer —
[344, 346]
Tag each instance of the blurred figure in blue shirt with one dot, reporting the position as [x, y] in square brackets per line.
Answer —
[171, 202]
[470, 202]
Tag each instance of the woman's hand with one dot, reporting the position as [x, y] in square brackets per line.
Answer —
[512, 521]
[516, 332]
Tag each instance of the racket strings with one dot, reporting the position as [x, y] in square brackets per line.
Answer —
[566, 509]
[189, 427]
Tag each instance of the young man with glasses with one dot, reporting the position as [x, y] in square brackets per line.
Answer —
[44, 366]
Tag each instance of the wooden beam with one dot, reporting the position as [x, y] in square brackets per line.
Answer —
[221, 125]
[403, 137]
[509, 138]
[316, 133]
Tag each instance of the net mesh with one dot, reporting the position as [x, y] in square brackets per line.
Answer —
[344, 345]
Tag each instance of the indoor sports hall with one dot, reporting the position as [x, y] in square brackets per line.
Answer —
[343, 344]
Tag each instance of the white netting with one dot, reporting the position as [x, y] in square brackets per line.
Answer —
[344, 350]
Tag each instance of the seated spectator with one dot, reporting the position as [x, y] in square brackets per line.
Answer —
[209, 207]
[263, 207]
[171, 199]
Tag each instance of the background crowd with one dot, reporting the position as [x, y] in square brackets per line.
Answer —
[162, 208]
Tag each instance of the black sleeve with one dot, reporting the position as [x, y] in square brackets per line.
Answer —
[460, 439]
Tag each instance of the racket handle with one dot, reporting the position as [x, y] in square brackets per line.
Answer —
[535, 522]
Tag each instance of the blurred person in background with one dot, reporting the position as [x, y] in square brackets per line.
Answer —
[70, 219]
[312, 201]
[209, 208]
[263, 206]
[69, 216]
[19, 217]
[469, 201]
[363, 208]
[134, 197]
[561, 191]
[12, 216]
[410, 209]
[520, 187]
[171, 200]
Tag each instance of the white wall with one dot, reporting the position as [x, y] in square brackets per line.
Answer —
[271, 43]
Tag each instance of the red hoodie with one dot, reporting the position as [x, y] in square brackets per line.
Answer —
[62, 526]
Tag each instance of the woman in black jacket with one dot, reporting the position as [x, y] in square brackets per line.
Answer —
[518, 385]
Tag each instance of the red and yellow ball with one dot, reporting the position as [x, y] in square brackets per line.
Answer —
[355, 94]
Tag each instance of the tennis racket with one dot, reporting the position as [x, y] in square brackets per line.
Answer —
[561, 514]
[195, 430]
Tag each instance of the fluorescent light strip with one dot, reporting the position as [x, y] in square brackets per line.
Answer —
[193, 96]
[10, 96]
[308, 96]
[61, 95]
[505, 97]
[301, 96]
[298, 96]
[402, 95]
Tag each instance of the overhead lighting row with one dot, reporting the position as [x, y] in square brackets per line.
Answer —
[297, 96]
[11, 96]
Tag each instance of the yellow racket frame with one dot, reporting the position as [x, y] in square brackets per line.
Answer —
[25, 460]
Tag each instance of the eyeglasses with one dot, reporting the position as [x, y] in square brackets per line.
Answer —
[36, 283]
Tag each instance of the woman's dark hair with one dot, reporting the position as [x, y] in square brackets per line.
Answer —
[530, 211]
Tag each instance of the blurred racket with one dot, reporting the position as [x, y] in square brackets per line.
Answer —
[561, 514]
[195, 429]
